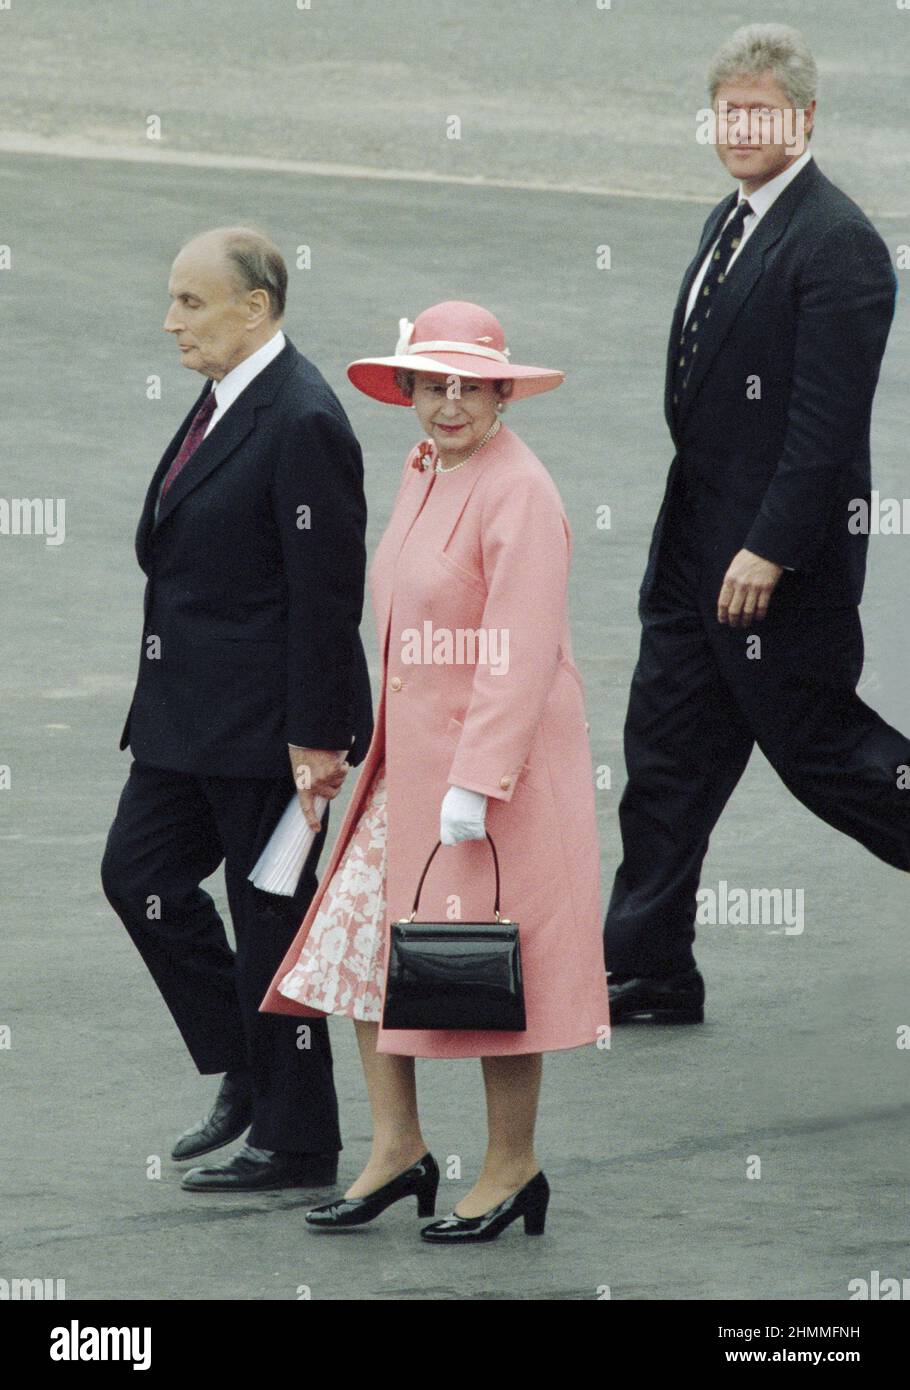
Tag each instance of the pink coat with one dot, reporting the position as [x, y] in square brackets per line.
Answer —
[486, 547]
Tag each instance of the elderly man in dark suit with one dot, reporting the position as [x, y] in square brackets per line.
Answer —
[774, 355]
[252, 678]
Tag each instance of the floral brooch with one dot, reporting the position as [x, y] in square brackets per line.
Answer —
[423, 458]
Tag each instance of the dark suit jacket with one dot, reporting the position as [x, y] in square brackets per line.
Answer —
[257, 616]
[806, 311]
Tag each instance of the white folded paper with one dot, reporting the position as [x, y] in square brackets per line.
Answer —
[279, 866]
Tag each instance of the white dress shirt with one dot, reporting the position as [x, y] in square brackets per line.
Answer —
[238, 379]
[759, 201]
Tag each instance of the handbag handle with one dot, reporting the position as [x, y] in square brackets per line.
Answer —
[429, 862]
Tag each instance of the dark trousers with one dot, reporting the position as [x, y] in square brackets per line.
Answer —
[171, 831]
[699, 701]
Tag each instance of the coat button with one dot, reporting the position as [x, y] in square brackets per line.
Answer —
[505, 783]
[395, 682]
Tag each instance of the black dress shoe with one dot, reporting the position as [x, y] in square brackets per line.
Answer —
[231, 1115]
[661, 999]
[420, 1180]
[529, 1201]
[263, 1170]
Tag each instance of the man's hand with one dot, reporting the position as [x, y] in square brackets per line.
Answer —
[747, 588]
[317, 772]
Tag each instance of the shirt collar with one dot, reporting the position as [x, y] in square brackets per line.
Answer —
[238, 378]
[761, 200]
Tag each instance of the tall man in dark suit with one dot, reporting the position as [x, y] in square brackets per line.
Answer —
[749, 603]
[251, 679]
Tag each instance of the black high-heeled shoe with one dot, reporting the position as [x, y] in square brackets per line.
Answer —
[420, 1180]
[529, 1201]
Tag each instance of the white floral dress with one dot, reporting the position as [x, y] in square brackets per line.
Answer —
[341, 969]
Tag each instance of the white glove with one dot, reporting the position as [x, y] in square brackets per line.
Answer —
[461, 816]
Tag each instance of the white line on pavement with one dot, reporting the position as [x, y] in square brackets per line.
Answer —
[78, 147]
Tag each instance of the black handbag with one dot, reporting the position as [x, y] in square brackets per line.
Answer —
[463, 975]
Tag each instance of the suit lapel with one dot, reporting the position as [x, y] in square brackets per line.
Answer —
[411, 503]
[220, 442]
[146, 520]
[709, 235]
[452, 495]
[739, 284]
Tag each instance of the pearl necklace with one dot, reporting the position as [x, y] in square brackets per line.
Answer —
[487, 437]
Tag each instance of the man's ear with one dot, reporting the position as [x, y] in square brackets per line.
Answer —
[258, 306]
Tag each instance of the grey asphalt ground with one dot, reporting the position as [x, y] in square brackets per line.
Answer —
[646, 1146]
[551, 90]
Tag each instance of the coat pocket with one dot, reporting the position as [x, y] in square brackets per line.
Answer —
[467, 576]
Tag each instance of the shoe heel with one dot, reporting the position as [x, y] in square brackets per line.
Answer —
[536, 1218]
[426, 1195]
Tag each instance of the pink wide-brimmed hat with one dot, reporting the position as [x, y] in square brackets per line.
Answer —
[455, 339]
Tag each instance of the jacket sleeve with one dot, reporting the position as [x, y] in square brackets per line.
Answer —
[846, 304]
[526, 550]
[321, 513]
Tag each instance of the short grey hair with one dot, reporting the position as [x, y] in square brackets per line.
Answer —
[256, 264]
[774, 48]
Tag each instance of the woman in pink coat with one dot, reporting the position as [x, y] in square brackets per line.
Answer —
[480, 727]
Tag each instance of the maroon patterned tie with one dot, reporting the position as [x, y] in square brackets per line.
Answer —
[191, 440]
